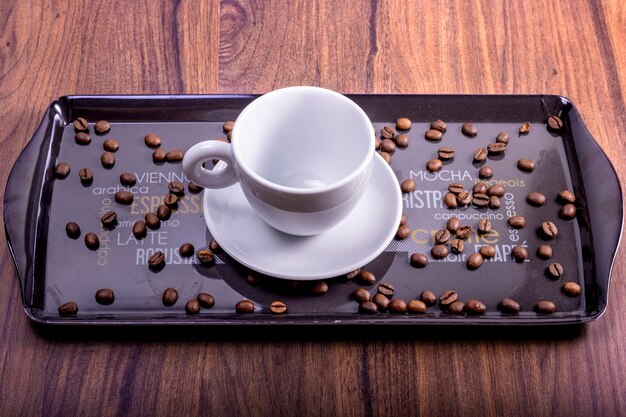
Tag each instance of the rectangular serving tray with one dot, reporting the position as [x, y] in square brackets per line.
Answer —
[53, 269]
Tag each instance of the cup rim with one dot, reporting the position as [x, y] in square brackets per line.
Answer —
[295, 190]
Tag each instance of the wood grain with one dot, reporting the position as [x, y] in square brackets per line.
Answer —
[51, 48]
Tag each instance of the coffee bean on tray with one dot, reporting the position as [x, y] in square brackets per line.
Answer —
[407, 186]
[152, 221]
[496, 148]
[545, 307]
[352, 274]
[418, 260]
[428, 297]
[73, 230]
[205, 300]
[555, 123]
[509, 306]
[403, 123]
[475, 307]
[571, 288]
[445, 153]
[402, 140]
[544, 251]
[228, 126]
[170, 296]
[567, 212]
[278, 307]
[377, 142]
[175, 155]
[463, 232]
[194, 188]
[171, 201]
[366, 277]
[456, 188]
[494, 202]
[456, 307]
[480, 188]
[388, 133]
[81, 125]
[128, 179]
[61, 170]
[139, 229]
[496, 190]
[124, 197]
[86, 176]
[386, 288]
[361, 294]
[485, 172]
[157, 260]
[158, 156]
[386, 157]
[403, 232]
[403, 219]
[526, 165]
[502, 137]
[68, 309]
[416, 307]
[319, 287]
[468, 129]
[484, 226]
[163, 212]
[566, 196]
[480, 200]
[397, 306]
[519, 253]
[474, 261]
[464, 198]
[244, 307]
[152, 140]
[433, 135]
[105, 296]
[91, 241]
[555, 270]
[206, 257]
[82, 138]
[517, 222]
[107, 159]
[442, 236]
[439, 251]
[487, 251]
[549, 230]
[448, 297]
[110, 145]
[186, 250]
[480, 154]
[439, 125]
[214, 246]
[101, 127]
[536, 199]
[524, 128]
[450, 200]
[109, 220]
[387, 145]
[453, 224]
[192, 307]
[457, 245]
[368, 307]
[176, 187]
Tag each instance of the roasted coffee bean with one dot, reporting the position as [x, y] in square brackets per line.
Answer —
[205, 300]
[457, 245]
[439, 251]
[567, 212]
[403, 219]
[381, 301]
[509, 306]
[361, 294]
[549, 230]
[353, 274]
[61, 170]
[487, 252]
[228, 126]
[453, 224]
[439, 125]
[496, 148]
[110, 145]
[124, 197]
[480, 188]
[386, 156]
[494, 202]
[171, 201]
[524, 128]
[448, 297]
[433, 135]
[502, 137]
[464, 198]
[402, 140]
[407, 186]
[86, 176]
[434, 165]
[139, 229]
[386, 288]
[82, 138]
[450, 200]
[170, 296]
[91, 241]
[163, 212]
[319, 287]
[73, 230]
[105, 296]
[456, 188]
[101, 127]
[158, 156]
[526, 165]
[214, 246]
[388, 133]
[107, 159]
[152, 140]
[480, 200]
[442, 236]
[367, 278]
[418, 260]
[244, 307]
[463, 232]
[428, 297]
[485, 172]
[517, 222]
[109, 220]
[445, 153]
[536, 199]
[81, 125]
[456, 307]
[175, 155]
[157, 260]
[176, 187]
[397, 306]
[545, 307]
[555, 123]
[206, 257]
[368, 307]
[544, 251]
[387, 145]
[496, 190]
[474, 261]
[192, 307]
[186, 250]
[128, 179]
[566, 196]
[194, 188]
[572, 289]
[377, 143]
[468, 129]
[555, 270]
[416, 307]
[480, 155]
[519, 253]
[403, 123]
[403, 232]
[68, 309]
[152, 221]
[474, 307]
[278, 307]
[484, 226]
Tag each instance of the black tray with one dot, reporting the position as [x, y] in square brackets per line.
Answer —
[53, 269]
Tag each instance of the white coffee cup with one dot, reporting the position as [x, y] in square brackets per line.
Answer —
[302, 155]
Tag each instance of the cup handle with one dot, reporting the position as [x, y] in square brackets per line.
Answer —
[206, 151]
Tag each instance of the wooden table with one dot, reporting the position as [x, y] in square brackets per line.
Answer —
[51, 48]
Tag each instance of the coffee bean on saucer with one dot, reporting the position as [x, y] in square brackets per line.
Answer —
[157, 260]
[567, 212]
[509, 306]
[171, 201]
[485, 172]
[402, 140]
[361, 294]
[176, 187]
[433, 135]
[445, 153]
[448, 297]
[519, 253]
[101, 127]
[428, 297]
[205, 300]
[544, 251]
[468, 129]
[457, 245]
[403, 232]
[109, 220]
[186, 250]
[68, 309]
[439, 251]
[480, 154]
[494, 202]
[128, 179]
[496, 148]
[475, 307]
[388, 133]
[158, 156]
[82, 138]
[278, 307]
[151, 140]
[566, 196]
[453, 224]
[456, 307]
[368, 307]
[386, 288]
[397, 306]
[386, 157]
[228, 126]
[175, 155]
[450, 200]
[526, 165]
[192, 307]
[555, 270]
[545, 307]
[463, 232]
[61, 170]
[474, 261]
[214, 246]
[524, 128]
[170, 296]
[124, 197]
[86, 176]
[416, 307]
[163, 212]
[480, 188]
[403, 123]
[407, 186]
[91, 241]
[206, 257]
[194, 188]
[110, 145]
[152, 221]
[73, 230]
[555, 123]
[571, 288]
[244, 307]
[319, 287]
[517, 222]
[139, 229]
[107, 159]
[367, 278]
[496, 190]
[536, 199]
[484, 226]
[456, 188]
[464, 198]
[549, 230]
[105, 296]
[418, 260]
[487, 252]
[480, 200]
[439, 125]
[502, 137]
[81, 125]
[442, 236]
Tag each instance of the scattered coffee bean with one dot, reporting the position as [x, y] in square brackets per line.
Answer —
[494, 202]
[509, 306]
[171, 201]
[194, 188]
[81, 125]
[68, 309]
[544, 251]
[124, 197]
[457, 245]
[433, 135]
[536, 199]
[397, 306]
[456, 307]
[192, 307]
[485, 172]
[519, 253]
[73, 230]
[386, 288]
[439, 125]
[418, 260]
[442, 236]
[525, 128]
[163, 212]
[463, 232]
[480, 188]
[474, 261]
[128, 179]
[434, 165]
[139, 229]
[152, 140]
[487, 252]
[439, 251]
[377, 143]
[228, 126]
[496, 190]
[91, 241]
[403, 232]
[526, 165]
[555, 123]
[453, 224]
[157, 260]
[567, 212]
[456, 188]
[205, 300]
[101, 127]
[475, 307]
[367, 278]
[82, 138]
[387, 157]
[555, 270]
[110, 145]
[545, 307]
[468, 129]
[175, 155]
[387, 145]
[206, 257]
[244, 307]
[566, 196]
[428, 297]
[109, 220]
[319, 287]
[403, 123]
[445, 153]
[571, 288]
[416, 307]
[361, 294]
[517, 222]
[186, 250]
[214, 246]
[480, 200]
[278, 307]
[484, 226]
[353, 274]
[464, 198]
[502, 137]
[496, 148]
[402, 140]
[152, 221]
[107, 159]
[388, 133]
[176, 187]
[407, 186]
[170, 296]
[368, 307]
[158, 156]
[61, 170]
[480, 154]
[549, 230]
[403, 219]
[450, 200]
[86, 176]
[381, 301]
[105, 296]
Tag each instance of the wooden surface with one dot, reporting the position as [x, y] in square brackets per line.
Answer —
[51, 48]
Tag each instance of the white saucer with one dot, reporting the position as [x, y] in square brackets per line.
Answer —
[356, 241]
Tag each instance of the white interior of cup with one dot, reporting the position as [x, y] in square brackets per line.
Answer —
[303, 138]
